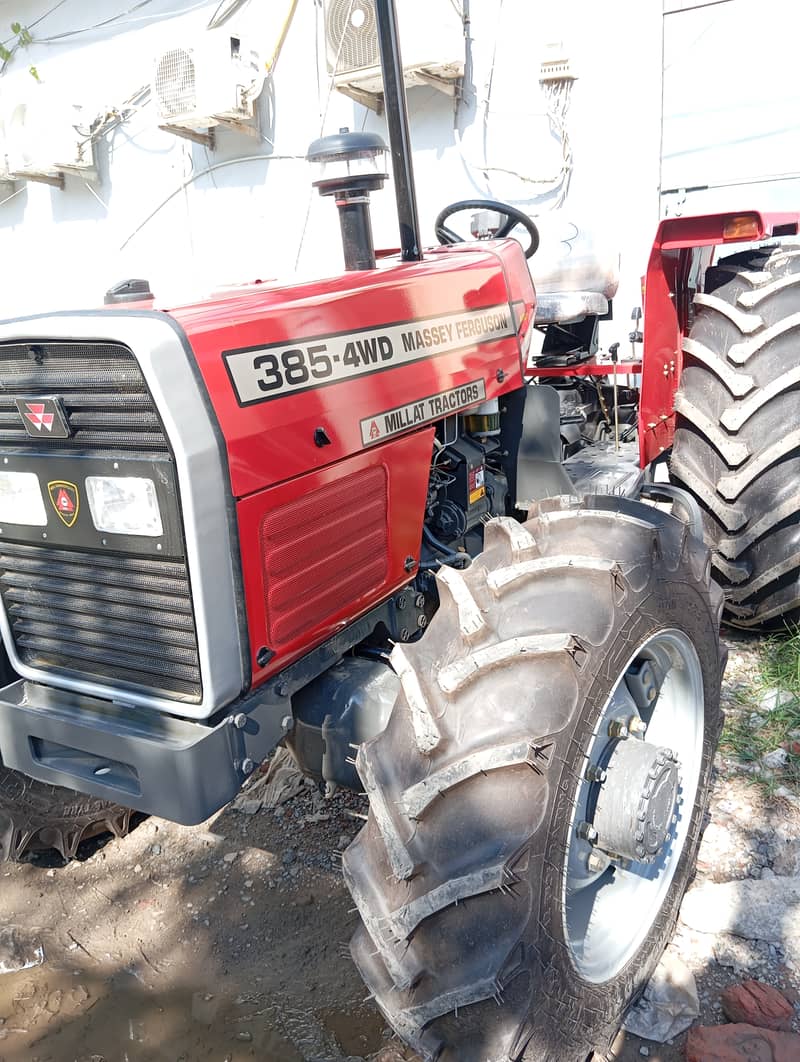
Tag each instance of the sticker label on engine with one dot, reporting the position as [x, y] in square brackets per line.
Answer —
[259, 374]
[477, 484]
[391, 422]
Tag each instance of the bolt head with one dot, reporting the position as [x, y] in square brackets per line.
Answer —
[636, 725]
[287, 722]
[240, 721]
[587, 832]
[248, 766]
[419, 600]
[595, 773]
[618, 728]
[596, 863]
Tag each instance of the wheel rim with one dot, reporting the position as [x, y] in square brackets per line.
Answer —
[609, 909]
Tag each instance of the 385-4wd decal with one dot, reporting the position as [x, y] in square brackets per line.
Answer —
[259, 374]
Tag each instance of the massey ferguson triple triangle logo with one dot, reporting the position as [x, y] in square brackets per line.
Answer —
[43, 417]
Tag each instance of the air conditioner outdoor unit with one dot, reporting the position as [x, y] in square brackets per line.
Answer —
[43, 142]
[214, 79]
[431, 43]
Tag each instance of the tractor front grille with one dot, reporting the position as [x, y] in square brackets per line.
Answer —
[122, 620]
[102, 391]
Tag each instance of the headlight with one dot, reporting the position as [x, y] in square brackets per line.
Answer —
[124, 505]
[21, 499]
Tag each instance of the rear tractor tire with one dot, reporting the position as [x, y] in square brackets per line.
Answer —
[737, 437]
[563, 703]
[35, 816]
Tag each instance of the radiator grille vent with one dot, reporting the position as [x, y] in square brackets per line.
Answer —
[102, 391]
[119, 619]
[324, 551]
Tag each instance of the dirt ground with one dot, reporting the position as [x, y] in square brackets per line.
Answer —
[225, 942]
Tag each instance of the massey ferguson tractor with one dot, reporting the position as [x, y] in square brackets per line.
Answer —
[336, 515]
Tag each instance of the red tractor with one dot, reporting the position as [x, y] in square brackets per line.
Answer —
[336, 515]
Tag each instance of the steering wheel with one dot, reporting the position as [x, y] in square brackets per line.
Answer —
[513, 217]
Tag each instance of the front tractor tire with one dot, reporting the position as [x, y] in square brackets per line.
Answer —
[35, 816]
[737, 435]
[558, 674]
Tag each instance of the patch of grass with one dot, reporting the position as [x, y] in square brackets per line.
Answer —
[751, 731]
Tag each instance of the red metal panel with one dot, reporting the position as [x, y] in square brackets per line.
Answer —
[590, 368]
[323, 550]
[272, 441]
[682, 249]
[706, 230]
[402, 466]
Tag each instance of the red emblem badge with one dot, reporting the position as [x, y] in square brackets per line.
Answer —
[65, 500]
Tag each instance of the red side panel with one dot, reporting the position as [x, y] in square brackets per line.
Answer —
[271, 438]
[682, 251]
[323, 548]
[326, 394]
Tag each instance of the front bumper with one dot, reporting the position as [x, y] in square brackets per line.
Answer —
[161, 764]
[136, 757]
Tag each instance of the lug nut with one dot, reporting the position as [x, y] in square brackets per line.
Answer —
[596, 863]
[618, 728]
[587, 832]
[637, 725]
[595, 773]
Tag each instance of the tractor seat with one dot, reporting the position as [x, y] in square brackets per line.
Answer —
[574, 275]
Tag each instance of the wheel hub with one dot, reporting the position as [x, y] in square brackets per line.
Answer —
[637, 803]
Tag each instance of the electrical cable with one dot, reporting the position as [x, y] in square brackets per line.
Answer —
[557, 96]
[228, 8]
[195, 177]
[323, 117]
[449, 556]
[36, 21]
[98, 25]
[284, 32]
[13, 195]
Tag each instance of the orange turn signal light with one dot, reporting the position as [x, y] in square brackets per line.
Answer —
[742, 227]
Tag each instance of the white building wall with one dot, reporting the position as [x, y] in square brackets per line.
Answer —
[61, 249]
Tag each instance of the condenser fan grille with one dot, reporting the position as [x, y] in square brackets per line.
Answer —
[352, 31]
[175, 83]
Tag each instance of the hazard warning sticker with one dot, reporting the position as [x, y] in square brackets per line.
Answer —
[381, 426]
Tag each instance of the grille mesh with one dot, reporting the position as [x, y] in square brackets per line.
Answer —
[323, 552]
[119, 618]
[175, 83]
[104, 396]
[352, 35]
[122, 619]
